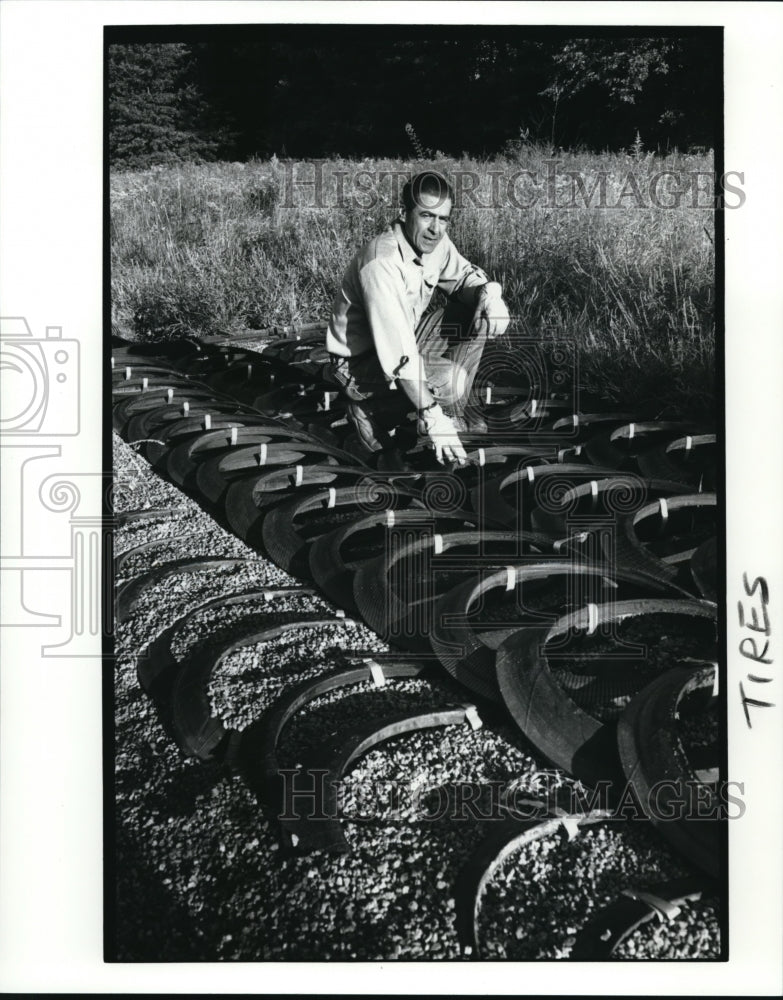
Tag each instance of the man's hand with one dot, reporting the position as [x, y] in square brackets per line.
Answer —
[491, 311]
[442, 433]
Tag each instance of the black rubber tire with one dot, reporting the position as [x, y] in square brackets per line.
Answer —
[188, 428]
[245, 380]
[396, 599]
[489, 500]
[173, 350]
[506, 838]
[614, 497]
[183, 458]
[287, 541]
[156, 664]
[154, 373]
[126, 597]
[124, 517]
[598, 940]
[577, 427]
[704, 569]
[198, 731]
[121, 559]
[257, 752]
[250, 498]
[689, 465]
[566, 734]
[334, 573]
[469, 655]
[216, 473]
[321, 829]
[144, 426]
[653, 757]
[631, 553]
[610, 448]
[125, 408]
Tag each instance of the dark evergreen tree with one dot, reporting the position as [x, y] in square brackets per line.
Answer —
[326, 90]
[156, 114]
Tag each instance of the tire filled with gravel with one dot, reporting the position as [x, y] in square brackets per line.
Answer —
[202, 873]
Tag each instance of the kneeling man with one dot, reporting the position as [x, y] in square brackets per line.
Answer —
[391, 356]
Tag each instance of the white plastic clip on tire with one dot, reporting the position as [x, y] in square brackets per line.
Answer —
[662, 908]
[511, 578]
[389, 518]
[437, 544]
[376, 672]
[533, 407]
[592, 618]
[571, 826]
[472, 716]
[664, 506]
[299, 475]
[185, 408]
[482, 457]
[127, 374]
[262, 453]
[327, 401]
[531, 473]
[489, 394]
[631, 431]
[207, 422]
[144, 384]
[332, 497]
[233, 435]
[169, 395]
[688, 443]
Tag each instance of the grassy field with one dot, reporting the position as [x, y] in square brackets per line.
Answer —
[221, 247]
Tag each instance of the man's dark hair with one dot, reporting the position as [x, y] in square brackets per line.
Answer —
[426, 182]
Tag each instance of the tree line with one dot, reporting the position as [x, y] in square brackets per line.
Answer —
[357, 90]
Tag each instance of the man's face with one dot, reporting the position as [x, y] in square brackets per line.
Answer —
[426, 223]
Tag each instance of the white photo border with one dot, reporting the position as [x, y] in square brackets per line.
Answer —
[51, 742]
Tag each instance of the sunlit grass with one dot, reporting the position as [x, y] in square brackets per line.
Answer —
[212, 248]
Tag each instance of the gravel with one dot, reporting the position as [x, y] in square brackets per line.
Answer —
[201, 873]
[694, 933]
[543, 894]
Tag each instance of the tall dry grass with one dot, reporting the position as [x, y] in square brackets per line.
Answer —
[208, 248]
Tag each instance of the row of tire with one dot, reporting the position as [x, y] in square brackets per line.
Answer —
[563, 527]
